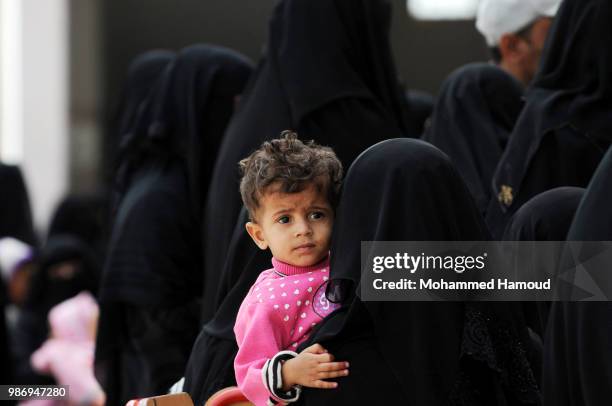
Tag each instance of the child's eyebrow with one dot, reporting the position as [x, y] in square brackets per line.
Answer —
[323, 208]
[281, 211]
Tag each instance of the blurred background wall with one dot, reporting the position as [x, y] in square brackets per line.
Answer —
[64, 62]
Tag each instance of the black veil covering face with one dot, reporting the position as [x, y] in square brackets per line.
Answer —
[327, 74]
[578, 349]
[566, 126]
[545, 217]
[150, 295]
[420, 353]
[15, 214]
[210, 367]
[473, 117]
[85, 217]
[142, 74]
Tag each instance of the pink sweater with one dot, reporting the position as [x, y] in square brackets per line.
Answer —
[278, 313]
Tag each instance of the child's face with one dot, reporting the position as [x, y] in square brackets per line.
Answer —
[295, 226]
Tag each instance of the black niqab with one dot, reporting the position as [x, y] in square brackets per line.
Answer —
[428, 353]
[328, 74]
[193, 107]
[153, 274]
[565, 127]
[143, 73]
[474, 115]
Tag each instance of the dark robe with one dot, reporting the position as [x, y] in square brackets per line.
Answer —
[150, 296]
[15, 214]
[211, 367]
[328, 74]
[416, 353]
[6, 372]
[578, 345]
[565, 127]
[474, 115]
[545, 217]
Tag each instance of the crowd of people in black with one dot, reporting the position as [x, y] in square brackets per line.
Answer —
[497, 155]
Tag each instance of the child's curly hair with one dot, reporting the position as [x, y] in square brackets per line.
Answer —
[292, 164]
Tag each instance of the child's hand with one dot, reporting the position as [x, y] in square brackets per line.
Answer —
[310, 367]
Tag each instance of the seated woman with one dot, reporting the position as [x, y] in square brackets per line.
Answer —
[418, 353]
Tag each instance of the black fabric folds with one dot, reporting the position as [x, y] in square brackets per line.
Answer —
[15, 214]
[328, 74]
[577, 350]
[565, 127]
[545, 217]
[473, 117]
[420, 353]
[210, 367]
[142, 75]
[150, 295]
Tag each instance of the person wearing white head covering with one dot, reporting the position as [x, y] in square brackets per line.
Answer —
[515, 32]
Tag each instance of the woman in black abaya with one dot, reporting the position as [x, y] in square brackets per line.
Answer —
[577, 349]
[473, 117]
[546, 217]
[327, 74]
[150, 296]
[565, 127]
[417, 353]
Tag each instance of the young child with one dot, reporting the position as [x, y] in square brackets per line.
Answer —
[68, 354]
[290, 189]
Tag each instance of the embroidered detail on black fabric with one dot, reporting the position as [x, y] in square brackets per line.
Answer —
[494, 366]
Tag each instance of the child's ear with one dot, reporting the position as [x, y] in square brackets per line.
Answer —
[256, 234]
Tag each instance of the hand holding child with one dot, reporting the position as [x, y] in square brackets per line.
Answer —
[311, 367]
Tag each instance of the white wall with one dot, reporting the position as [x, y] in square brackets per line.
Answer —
[34, 88]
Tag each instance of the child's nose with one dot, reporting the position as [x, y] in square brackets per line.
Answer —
[303, 228]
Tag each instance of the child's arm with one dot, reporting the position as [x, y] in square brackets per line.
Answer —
[310, 367]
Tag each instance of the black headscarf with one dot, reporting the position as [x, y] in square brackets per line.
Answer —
[15, 214]
[474, 115]
[437, 353]
[546, 217]
[198, 95]
[328, 74]
[153, 273]
[85, 217]
[142, 75]
[155, 242]
[578, 350]
[565, 127]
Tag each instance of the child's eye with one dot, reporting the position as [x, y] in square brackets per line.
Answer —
[283, 219]
[316, 215]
